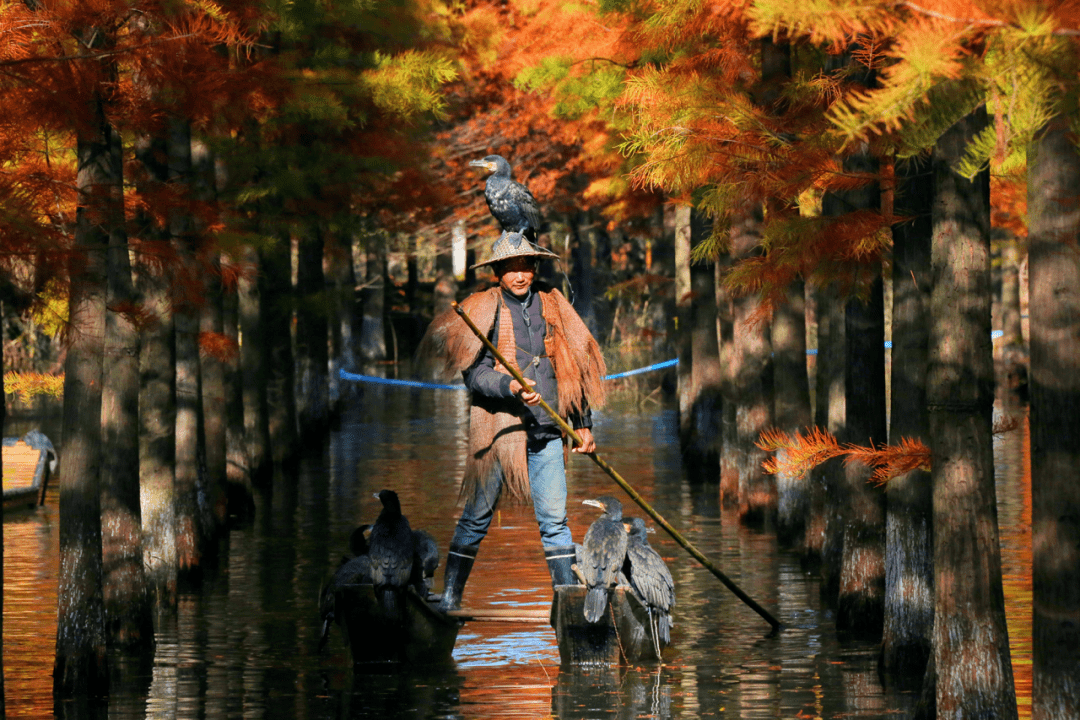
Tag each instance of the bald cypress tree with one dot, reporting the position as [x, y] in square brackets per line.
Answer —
[971, 641]
[1054, 277]
[81, 665]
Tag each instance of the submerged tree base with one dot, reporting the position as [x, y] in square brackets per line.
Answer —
[80, 676]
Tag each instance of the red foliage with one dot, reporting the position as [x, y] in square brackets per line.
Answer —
[220, 347]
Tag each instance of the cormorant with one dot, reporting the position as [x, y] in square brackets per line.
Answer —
[351, 571]
[391, 554]
[603, 551]
[509, 201]
[425, 561]
[650, 580]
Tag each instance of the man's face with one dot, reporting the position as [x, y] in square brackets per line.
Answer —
[516, 275]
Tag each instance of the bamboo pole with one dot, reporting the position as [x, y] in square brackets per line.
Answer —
[512, 616]
[675, 534]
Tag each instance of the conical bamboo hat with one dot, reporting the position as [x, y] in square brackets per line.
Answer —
[513, 245]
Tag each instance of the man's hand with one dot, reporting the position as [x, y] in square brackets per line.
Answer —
[527, 395]
[588, 444]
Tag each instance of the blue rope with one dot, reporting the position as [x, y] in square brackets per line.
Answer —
[657, 366]
[387, 381]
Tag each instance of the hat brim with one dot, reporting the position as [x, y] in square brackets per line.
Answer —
[542, 255]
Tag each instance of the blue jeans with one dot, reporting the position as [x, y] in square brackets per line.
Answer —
[547, 481]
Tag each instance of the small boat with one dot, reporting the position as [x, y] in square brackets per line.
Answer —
[28, 463]
[624, 635]
[422, 636]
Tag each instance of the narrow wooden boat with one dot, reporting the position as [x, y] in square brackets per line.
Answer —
[623, 635]
[28, 462]
[421, 636]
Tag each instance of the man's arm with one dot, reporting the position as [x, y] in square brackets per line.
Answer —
[484, 379]
[582, 424]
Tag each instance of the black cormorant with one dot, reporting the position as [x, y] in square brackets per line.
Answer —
[391, 554]
[351, 571]
[509, 201]
[650, 580]
[603, 553]
[425, 561]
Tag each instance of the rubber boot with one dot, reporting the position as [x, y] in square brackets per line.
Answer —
[459, 563]
[560, 561]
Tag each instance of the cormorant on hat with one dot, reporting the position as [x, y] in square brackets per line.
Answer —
[511, 245]
[510, 202]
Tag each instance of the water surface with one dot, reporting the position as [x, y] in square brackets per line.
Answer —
[245, 644]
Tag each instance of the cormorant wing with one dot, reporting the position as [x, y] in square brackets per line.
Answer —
[650, 577]
[605, 551]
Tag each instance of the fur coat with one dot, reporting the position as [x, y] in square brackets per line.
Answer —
[496, 429]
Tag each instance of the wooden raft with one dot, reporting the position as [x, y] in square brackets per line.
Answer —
[623, 635]
[25, 474]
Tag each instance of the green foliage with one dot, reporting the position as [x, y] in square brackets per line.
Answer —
[407, 85]
[50, 312]
[546, 75]
[597, 84]
[823, 23]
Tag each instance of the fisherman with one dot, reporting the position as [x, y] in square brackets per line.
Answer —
[514, 445]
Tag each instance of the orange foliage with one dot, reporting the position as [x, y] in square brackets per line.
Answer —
[145, 64]
[805, 452]
[220, 347]
[28, 385]
[1009, 210]
[569, 163]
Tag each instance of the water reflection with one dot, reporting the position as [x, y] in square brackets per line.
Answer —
[245, 644]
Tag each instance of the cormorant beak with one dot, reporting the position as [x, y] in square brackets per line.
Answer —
[481, 163]
[376, 496]
[627, 527]
[594, 503]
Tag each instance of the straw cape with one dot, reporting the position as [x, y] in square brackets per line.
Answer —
[496, 429]
[513, 245]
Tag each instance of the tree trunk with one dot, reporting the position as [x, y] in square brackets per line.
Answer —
[683, 312]
[814, 533]
[831, 413]
[791, 408]
[342, 335]
[212, 372]
[128, 620]
[700, 439]
[861, 598]
[791, 393]
[971, 641]
[312, 338]
[1054, 281]
[260, 462]
[81, 665]
[445, 290]
[211, 364]
[909, 543]
[1014, 355]
[233, 385]
[752, 371]
[276, 295]
[373, 324]
[191, 516]
[701, 455]
[157, 404]
[730, 452]
[583, 273]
